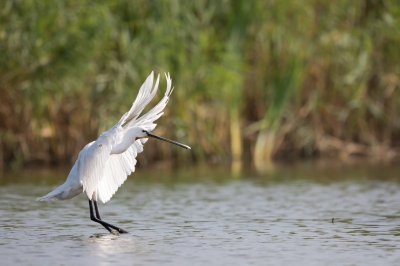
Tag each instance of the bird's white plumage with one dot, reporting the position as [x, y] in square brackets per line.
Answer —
[147, 119]
[116, 171]
[101, 173]
[91, 164]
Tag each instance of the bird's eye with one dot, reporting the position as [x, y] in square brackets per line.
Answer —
[143, 130]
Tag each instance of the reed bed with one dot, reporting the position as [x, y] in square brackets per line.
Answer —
[255, 80]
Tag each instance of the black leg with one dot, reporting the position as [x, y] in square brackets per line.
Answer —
[96, 208]
[97, 219]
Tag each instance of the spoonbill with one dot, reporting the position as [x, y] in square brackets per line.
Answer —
[103, 165]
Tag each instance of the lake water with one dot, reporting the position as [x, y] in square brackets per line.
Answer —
[205, 216]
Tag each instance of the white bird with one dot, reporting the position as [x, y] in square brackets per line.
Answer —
[103, 165]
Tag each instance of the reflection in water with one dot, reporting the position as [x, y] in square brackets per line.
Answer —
[105, 245]
[285, 219]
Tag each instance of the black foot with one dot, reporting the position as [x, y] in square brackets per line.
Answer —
[96, 218]
[117, 231]
[122, 231]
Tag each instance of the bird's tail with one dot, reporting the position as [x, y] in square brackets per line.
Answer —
[63, 192]
[54, 195]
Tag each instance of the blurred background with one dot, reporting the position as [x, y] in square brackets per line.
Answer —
[291, 109]
[255, 81]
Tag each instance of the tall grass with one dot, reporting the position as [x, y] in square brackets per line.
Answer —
[254, 80]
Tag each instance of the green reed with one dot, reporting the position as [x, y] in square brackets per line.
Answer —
[254, 80]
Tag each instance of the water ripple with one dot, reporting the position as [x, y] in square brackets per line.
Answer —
[237, 222]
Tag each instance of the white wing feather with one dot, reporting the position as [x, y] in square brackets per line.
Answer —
[116, 171]
[103, 173]
[145, 95]
[155, 113]
[90, 166]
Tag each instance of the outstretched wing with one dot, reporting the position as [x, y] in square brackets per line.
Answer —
[91, 163]
[116, 171]
[145, 95]
[157, 111]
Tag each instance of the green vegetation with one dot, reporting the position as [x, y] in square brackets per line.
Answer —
[254, 79]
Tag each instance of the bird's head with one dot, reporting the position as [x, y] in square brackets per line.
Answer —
[142, 132]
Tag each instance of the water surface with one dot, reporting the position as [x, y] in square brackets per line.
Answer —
[199, 217]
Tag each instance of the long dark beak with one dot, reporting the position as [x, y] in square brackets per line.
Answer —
[151, 135]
